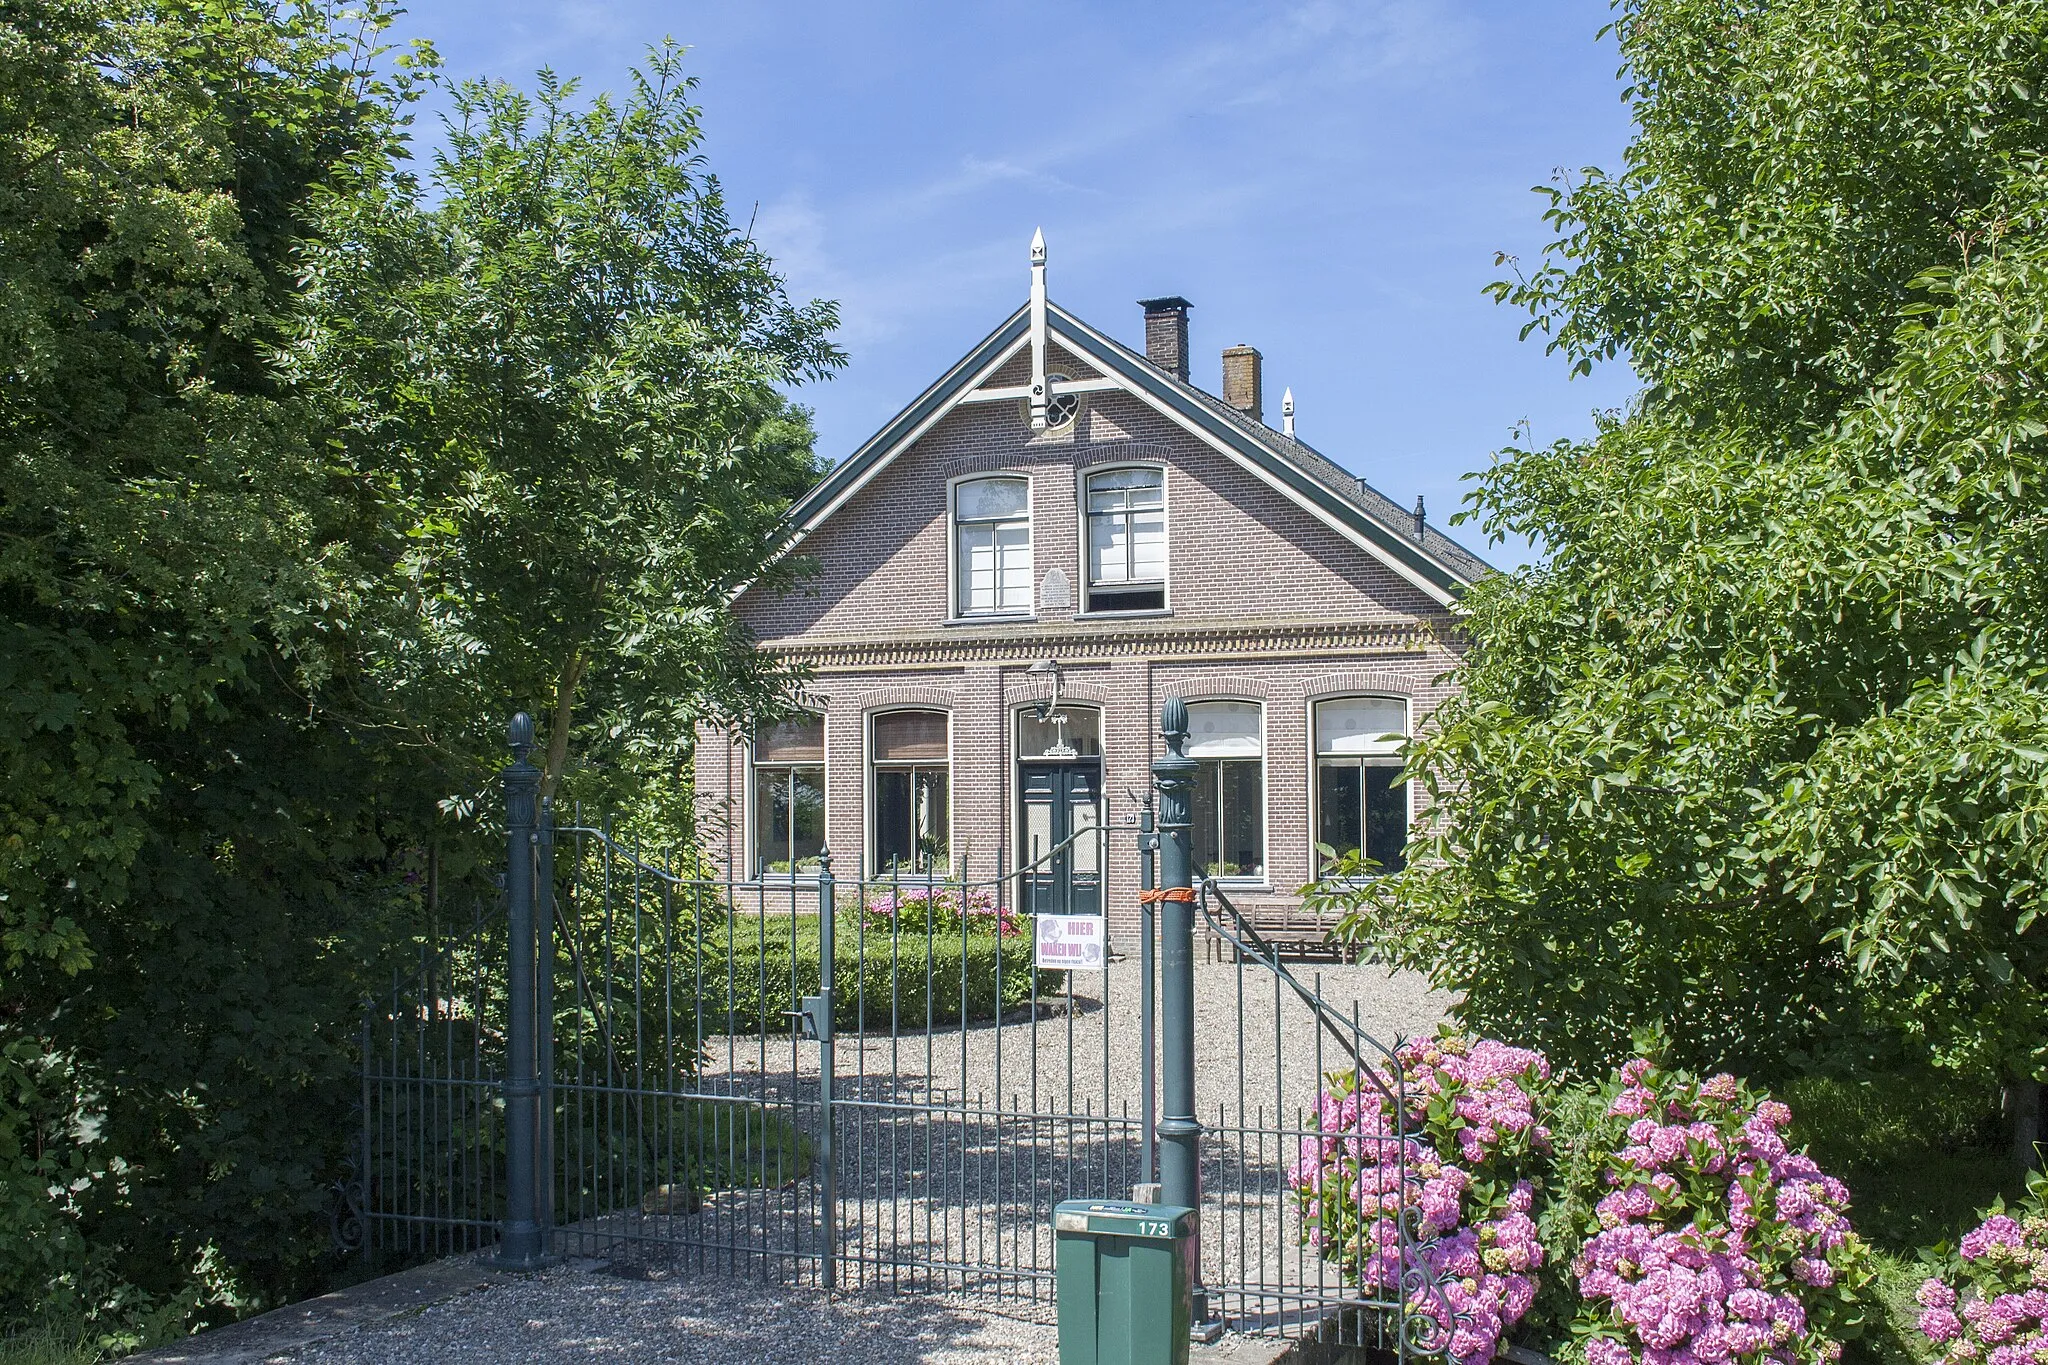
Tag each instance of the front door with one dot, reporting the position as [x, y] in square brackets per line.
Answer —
[1061, 801]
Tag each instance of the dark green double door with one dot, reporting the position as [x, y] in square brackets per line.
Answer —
[1060, 823]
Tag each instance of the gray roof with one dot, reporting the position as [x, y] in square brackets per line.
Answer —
[1311, 476]
[1330, 474]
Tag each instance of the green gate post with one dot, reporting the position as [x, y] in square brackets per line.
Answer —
[544, 1022]
[1148, 968]
[1180, 1132]
[828, 1167]
[519, 1248]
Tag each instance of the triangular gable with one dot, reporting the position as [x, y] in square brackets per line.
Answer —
[1268, 459]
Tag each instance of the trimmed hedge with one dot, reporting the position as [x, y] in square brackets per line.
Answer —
[889, 978]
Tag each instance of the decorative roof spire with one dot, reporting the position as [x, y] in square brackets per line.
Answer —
[1287, 413]
[1039, 396]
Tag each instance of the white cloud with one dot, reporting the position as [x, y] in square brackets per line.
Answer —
[1122, 145]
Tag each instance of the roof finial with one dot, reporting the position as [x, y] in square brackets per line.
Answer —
[1287, 413]
[1039, 396]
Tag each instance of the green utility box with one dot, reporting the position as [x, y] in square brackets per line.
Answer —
[1123, 1282]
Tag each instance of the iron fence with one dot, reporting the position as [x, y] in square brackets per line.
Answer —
[859, 1081]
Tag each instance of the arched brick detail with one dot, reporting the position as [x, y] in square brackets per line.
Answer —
[1365, 682]
[1216, 687]
[1027, 460]
[1093, 693]
[900, 698]
[1101, 453]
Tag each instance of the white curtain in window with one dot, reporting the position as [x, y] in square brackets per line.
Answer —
[1148, 545]
[1361, 725]
[1224, 729]
[993, 533]
[995, 567]
[983, 499]
[1108, 549]
[1126, 526]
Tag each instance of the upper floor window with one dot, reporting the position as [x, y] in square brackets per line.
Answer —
[992, 547]
[789, 797]
[910, 792]
[1126, 511]
[1360, 806]
[1228, 811]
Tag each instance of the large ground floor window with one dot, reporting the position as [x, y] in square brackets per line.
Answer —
[789, 797]
[1227, 741]
[910, 791]
[1361, 807]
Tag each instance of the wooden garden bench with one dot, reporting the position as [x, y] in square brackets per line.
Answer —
[1294, 930]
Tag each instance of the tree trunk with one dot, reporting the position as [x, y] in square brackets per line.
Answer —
[2023, 1108]
[558, 723]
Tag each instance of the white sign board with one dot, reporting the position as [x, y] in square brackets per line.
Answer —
[1072, 943]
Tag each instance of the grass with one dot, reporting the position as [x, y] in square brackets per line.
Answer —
[1922, 1156]
[47, 1346]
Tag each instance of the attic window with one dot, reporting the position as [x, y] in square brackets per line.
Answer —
[1126, 510]
[992, 547]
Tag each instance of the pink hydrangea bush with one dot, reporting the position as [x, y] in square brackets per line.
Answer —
[1991, 1308]
[1712, 1240]
[938, 908]
[1461, 1170]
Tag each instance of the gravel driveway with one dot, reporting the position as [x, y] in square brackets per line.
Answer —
[572, 1314]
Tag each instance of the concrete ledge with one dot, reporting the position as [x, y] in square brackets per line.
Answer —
[303, 1324]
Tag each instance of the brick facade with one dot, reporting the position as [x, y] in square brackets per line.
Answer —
[1266, 601]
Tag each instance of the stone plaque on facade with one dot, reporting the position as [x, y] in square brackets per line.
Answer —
[1055, 593]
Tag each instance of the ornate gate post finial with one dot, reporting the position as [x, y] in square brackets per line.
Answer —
[519, 736]
[1173, 728]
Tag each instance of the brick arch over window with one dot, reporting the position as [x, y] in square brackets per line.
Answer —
[1092, 693]
[1122, 452]
[1017, 462]
[1218, 687]
[1363, 683]
[901, 698]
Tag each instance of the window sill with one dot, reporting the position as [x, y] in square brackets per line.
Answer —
[1122, 615]
[1012, 618]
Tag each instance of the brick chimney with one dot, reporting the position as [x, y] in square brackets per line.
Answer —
[1166, 334]
[1244, 381]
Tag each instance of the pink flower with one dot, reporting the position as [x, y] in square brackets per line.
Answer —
[1995, 1231]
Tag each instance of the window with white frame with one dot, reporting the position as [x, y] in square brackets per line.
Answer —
[789, 797]
[1228, 743]
[909, 791]
[992, 547]
[1361, 807]
[1126, 510]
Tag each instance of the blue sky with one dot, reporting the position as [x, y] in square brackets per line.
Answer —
[1329, 182]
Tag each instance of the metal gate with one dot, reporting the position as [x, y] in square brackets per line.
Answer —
[851, 1081]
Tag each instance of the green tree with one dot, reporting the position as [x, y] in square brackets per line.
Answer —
[1759, 752]
[193, 854]
[566, 368]
[302, 485]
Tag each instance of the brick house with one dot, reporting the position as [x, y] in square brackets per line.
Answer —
[1061, 512]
